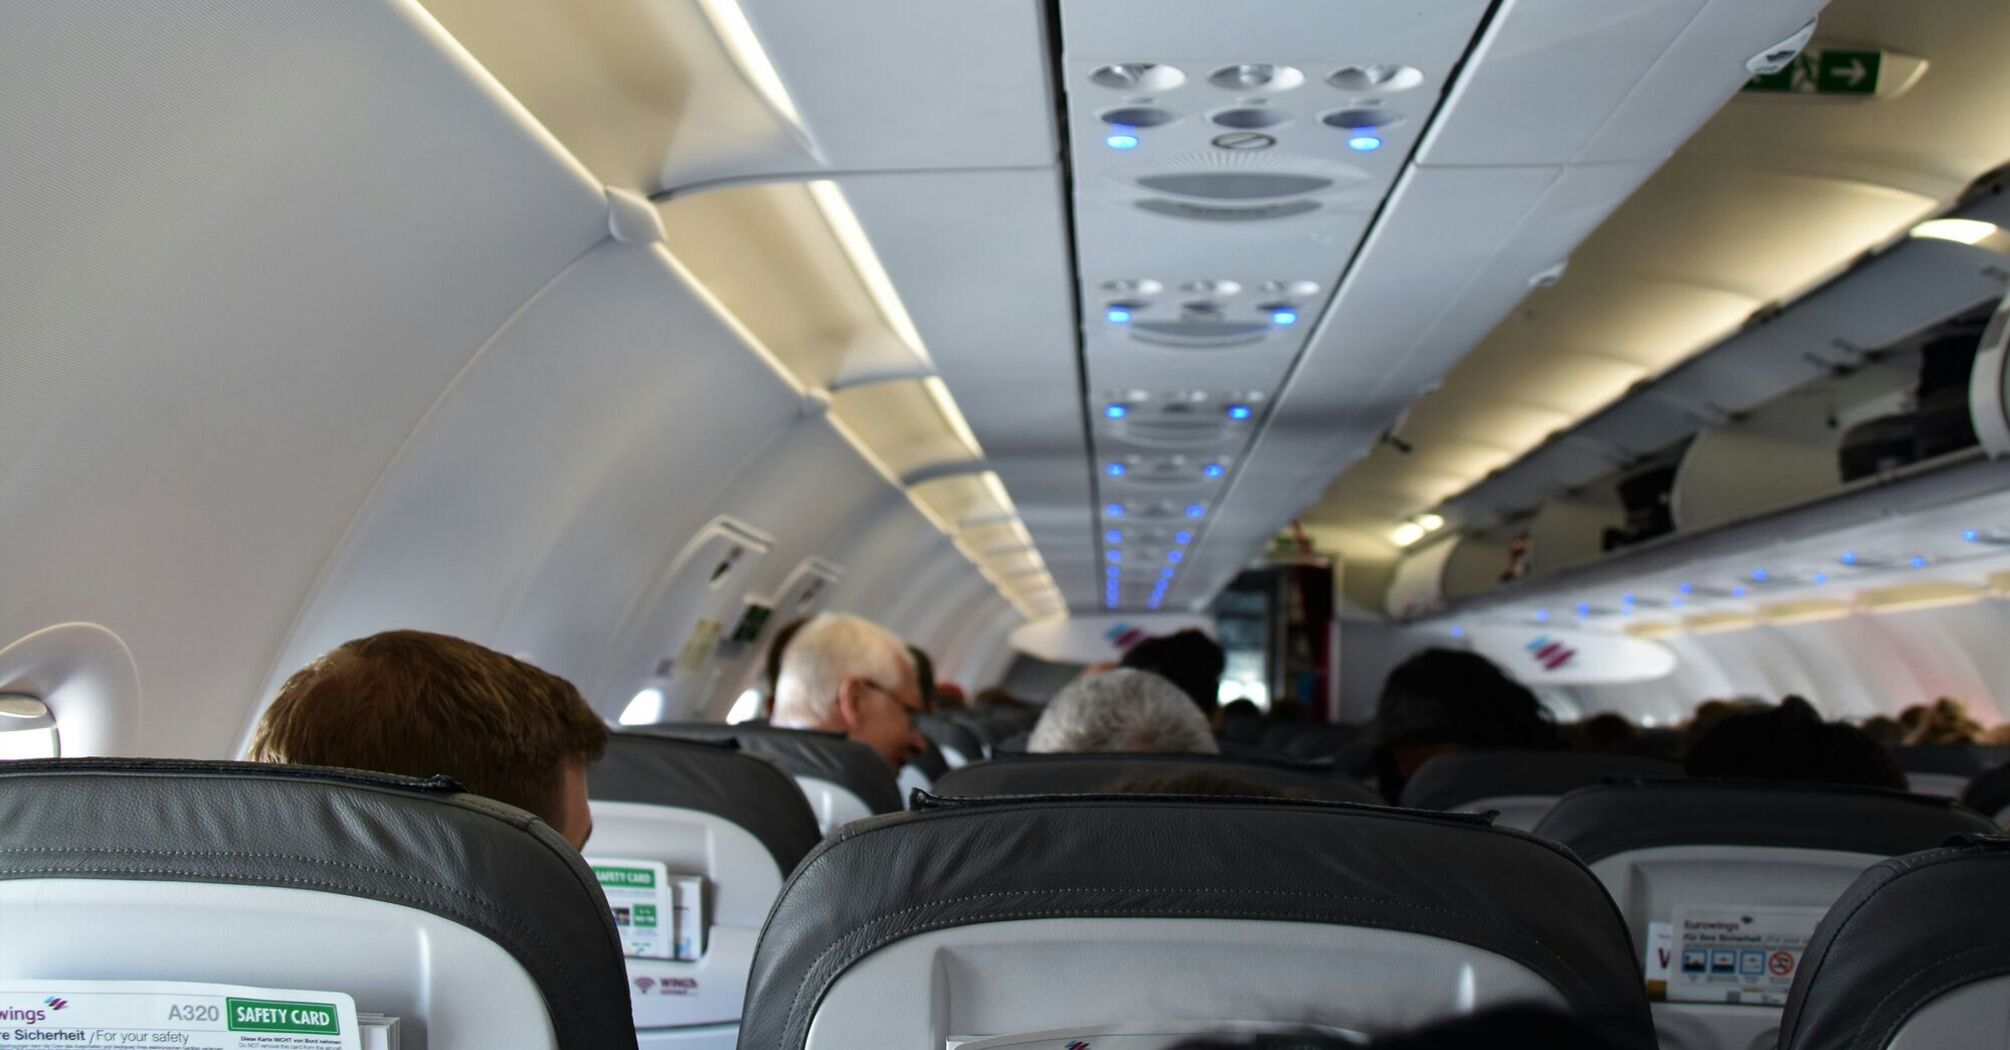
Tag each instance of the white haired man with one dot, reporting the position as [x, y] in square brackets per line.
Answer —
[848, 675]
[1123, 710]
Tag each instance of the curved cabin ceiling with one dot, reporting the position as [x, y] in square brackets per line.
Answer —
[1772, 197]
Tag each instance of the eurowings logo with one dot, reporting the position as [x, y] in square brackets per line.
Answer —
[1552, 655]
[1078, 1045]
[1121, 637]
[54, 1003]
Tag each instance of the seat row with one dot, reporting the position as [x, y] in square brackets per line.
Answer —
[993, 915]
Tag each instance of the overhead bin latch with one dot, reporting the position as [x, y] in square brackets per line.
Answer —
[632, 219]
[1776, 57]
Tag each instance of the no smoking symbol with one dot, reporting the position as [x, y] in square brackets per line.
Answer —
[1781, 964]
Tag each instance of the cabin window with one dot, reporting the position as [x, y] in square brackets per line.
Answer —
[646, 708]
[27, 728]
[746, 708]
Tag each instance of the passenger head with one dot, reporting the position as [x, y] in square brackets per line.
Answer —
[924, 676]
[1444, 700]
[1884, 729]
[1123, 710]
[771, 663]
[1188, 659]
[1792, 743]
[846, 675]
[418, 704]
[1241, 721]
[1946, 721]
[1605, 732]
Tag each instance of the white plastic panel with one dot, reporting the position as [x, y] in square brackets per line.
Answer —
[452, 988]
[1969, 1016]
[1650, 884]
[85, 676]
[834, 804]
[705, 592]
[1037, 974]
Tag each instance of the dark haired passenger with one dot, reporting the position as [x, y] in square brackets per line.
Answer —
[1445, 700]
[1792, 743]
[1605, 732]
[1188, 659]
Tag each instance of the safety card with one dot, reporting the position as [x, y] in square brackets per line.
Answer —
[643, 899]
[1738, 955]
[176, 1014]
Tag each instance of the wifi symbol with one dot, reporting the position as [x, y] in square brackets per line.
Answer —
[644, 984]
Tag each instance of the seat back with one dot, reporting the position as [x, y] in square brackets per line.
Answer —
[1764, 858]
[704, 810]
[1072, 774]
[1989, 793]
[970, 918]
[1946, 769]
[1520, 785]
[470, 921]
[843, 781]
[1915, 955]
[960, 745]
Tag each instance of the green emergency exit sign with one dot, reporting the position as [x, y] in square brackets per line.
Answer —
[1828, 71]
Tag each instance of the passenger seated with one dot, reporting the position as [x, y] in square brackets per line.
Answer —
[1945, 721]
[419, 704]
[1604, 732]
[1792, 743]
[1242, 722]
[1445, 700]
[843, 674]
[1188, 659]
[1122, 710]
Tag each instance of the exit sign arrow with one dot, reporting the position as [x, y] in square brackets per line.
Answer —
[1827, 71]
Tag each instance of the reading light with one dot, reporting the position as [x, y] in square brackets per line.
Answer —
[1542, 616]
[1584, 608]
[1118, 315]
[1182, 537]
[1407, 533]
[1116, 470]
[1175, 556]
[1113, 536]
[1364, 143]
[1195, 510]
[1760, 576]
[1917, 561]
[1687, 588]
[1121, 140]
[1238, 412]
[1284, 318]
[1114, 556]
[1960, 231]
[1214, 470]
[1114, 411]
[1972, 535]
[1114, 510]
[1431, 522]
[1167, 573]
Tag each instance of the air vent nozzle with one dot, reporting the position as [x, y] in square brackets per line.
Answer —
[1236, 185]
[1223, 213]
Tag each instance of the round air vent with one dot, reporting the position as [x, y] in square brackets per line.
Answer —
[1138, 116]
[1214, 287]
[1256, 77]
[1133, 286]
[1138, 76]
[1292, 289]
[1376, 78]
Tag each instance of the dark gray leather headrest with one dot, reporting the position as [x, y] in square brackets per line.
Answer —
[958, 862]
[1073, 774]
[713, 777]
[1908, 930]
[1598, 822]
[1462, 777]
[803, 753]
[1961, 760]
[948, 732]
[1988, 792]
[417, 843]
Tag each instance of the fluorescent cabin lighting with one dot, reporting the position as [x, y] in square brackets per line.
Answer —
[752, 59]
[1960, 231]
[1431, 522]
[1407, 533]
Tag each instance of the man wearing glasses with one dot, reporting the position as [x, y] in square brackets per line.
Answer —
[848, 675]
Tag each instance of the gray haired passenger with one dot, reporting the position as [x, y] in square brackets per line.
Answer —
[1122, 710]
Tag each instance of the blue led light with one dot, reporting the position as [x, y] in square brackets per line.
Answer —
[1153, 604]
[1121, 139]
[1739, 592]
[1629, 599]
[1118, 315]
[1458, 632]
[1584, 608]
[1687, 588]
[1760, 575]
[1214, 470]
[1542, 616]
[1182, 537]
[1972, 535]
[1195, 510]
[1116, 411]
[1113, 536]
[1113, 571]
[1674, 603]
[1167, 573]
[1284, 318]
[1114, 510]
[1175, 556]
[1821, 577]
[1917, 562]
[1114, 555]
[1116, 470]
[1238, 412]
[1364, 143]
[1109, 602]
[1848, 558]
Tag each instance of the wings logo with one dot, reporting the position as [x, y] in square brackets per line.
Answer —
[1552, 655]
[54, 1003]
[1121, 637]
[1078, 1045]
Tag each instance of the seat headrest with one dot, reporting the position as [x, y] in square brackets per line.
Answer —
[1988, 792]
[421, 844]
[1065, 774]
[960, 862]
[946, 730]
[1962, 760]
[1908, 930]
[713, 777]
[802, 753]
[1453, 780]
[1618, 817]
